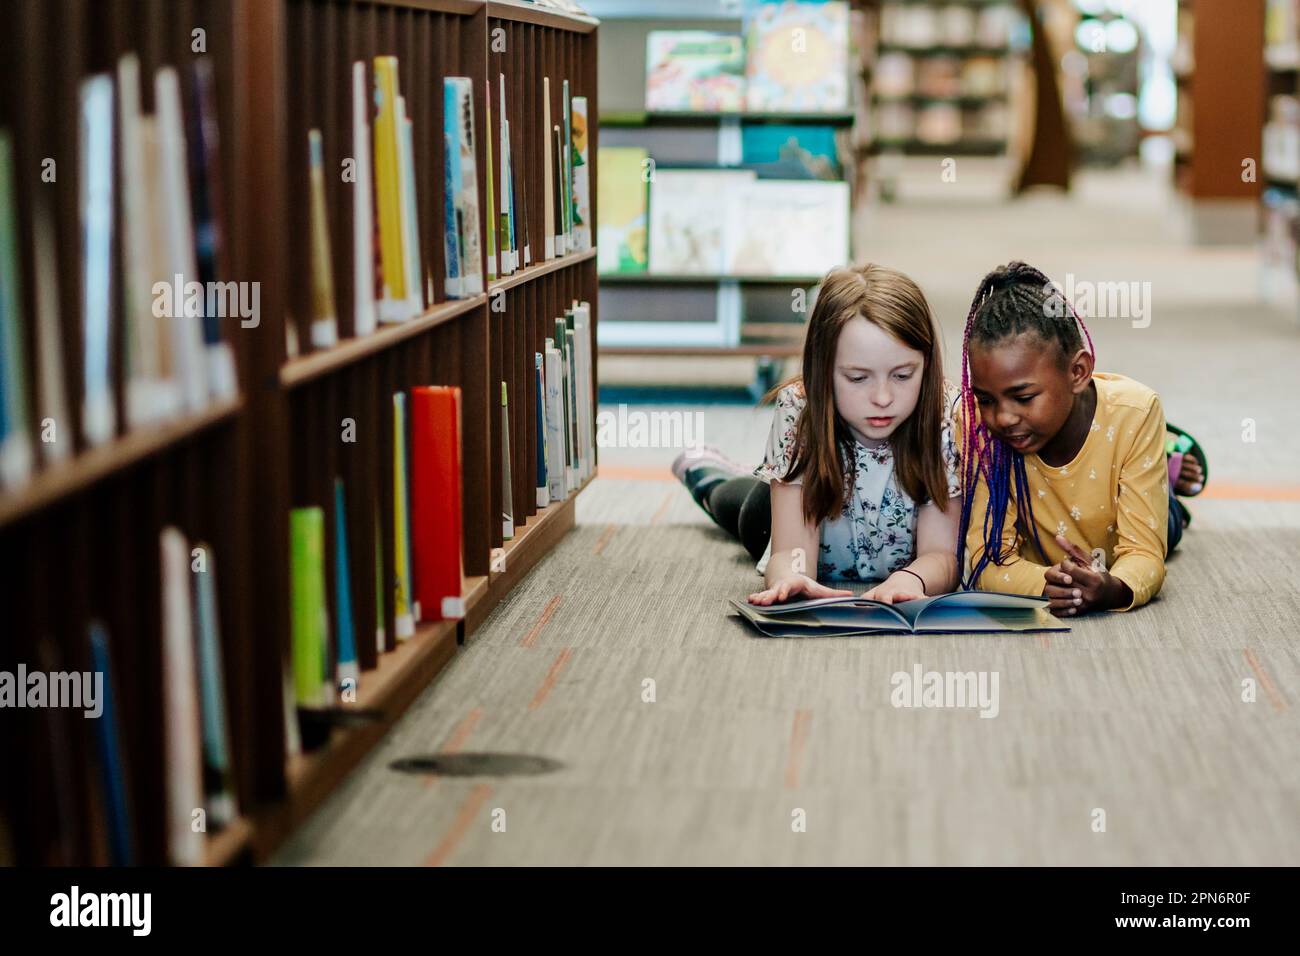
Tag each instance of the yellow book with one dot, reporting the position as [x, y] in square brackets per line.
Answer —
[403, 613]
[388, 190]
[324, 323]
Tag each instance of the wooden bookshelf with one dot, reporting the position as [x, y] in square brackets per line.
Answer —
[230, 475]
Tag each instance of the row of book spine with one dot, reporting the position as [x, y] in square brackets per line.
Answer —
[161, 311]
[391, 282]
[198, 774]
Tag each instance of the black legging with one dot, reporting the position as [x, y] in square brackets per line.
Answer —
[742, 507]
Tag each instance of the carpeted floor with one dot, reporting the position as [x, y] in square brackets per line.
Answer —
[685, 739]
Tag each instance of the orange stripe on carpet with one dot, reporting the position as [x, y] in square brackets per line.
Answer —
[1235, 491]
[663, 508]
[604, 538]
[531, 637]
[468, 811]
[634, 473]
[552, 676]
[457, 739]
[1279, 703]
[798, 742]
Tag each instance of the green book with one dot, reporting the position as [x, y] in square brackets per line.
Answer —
[309, 616]
[15, 440]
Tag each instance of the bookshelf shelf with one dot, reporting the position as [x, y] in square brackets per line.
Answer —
[526, 13]
[314, 364]
[229, 846]
[60, 481]
[540, 269]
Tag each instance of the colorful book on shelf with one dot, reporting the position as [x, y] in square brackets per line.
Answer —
[209, 223]
[461, 103]
[390, 204]
[152, 390]
[566, 157]
[689, 213]
[453, 286]
[505, 225]
[790, 152]
[797, 57]
[403, 595]
[15, 425]
[694, 71]
[513, 223]
[622, 202]
[181, 721]
[778, 227]
[491, 220]
[436, 508]
[348, 672]
[363, 208]
[581, 181]
[218, 776]
[95, 139]
[186, 315]
[109, 757]
[51, 386]
[556, 471]
[507, 493]
[586, 407]
[519, 179]
[539, 384]
[548, 174]
[381, 631]
[324, 322]
[564, 331]
[309, 615]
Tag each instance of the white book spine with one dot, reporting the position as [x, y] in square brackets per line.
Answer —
[363, 208]
[554, 425]
[581, 188]
[180, 705]
[410, 223]
[548, 180]
[53, 403]
[99, 418]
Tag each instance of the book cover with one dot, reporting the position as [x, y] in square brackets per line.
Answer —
[539, 384]
[622, 201]
[403, 613]
[512, 220]
[436, 507]
[324, 323]
[348, 669]
[394, 304]
[566, 156]
[505, 227]
[507, 495]
[689, 213]
[467, 194]
[98, 410]
[586, 408]
[307, 607]
[186, 319]
[452, 228]
[15, 423]
[491, 221]
[209, 224]
[181, 726]
[797, 57]
[959, 612]
[548, 181]
[694, 71]
[363, 208]
[561, 247]
[581, 183]
[571, 393]
[108, 750]
[779, 227]
[790, 152]
[218, 777]
[52, 393]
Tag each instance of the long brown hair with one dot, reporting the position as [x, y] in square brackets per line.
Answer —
[823, 453]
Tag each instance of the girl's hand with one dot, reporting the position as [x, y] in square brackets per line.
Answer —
[795, 585]
[1075, 587]
[896, 589]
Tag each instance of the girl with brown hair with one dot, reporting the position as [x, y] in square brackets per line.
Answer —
[860, 482]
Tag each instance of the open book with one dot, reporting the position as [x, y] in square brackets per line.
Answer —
[956, 613]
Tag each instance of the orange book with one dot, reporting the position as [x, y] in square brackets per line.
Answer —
[436, 502]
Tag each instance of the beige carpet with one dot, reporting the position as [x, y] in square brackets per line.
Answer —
[757, 751]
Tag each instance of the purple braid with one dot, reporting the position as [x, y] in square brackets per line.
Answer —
[1010, 300]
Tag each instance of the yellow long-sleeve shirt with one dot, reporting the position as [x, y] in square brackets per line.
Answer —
[1114, 496]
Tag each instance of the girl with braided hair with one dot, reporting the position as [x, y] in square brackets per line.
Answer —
[860, 481]
[1065, 484]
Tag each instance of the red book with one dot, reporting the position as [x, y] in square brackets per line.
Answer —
[435, 502]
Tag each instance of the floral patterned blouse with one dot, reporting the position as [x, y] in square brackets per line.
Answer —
[876, 533]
